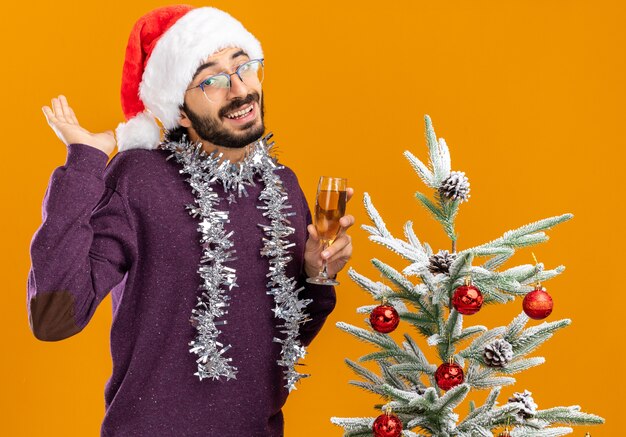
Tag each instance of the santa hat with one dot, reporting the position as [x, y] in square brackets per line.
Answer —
[164, 49]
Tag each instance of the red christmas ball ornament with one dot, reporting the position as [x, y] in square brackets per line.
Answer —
[467, 299]
[449, 375]
[384, 318]
[538, 304]
[387, 425]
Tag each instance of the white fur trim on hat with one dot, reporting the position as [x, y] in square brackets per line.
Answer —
[140, 132]
[181, 50]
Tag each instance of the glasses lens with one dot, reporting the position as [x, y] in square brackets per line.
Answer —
[252, 73]
[216, 87]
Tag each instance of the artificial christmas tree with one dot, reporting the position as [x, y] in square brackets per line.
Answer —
[422, 395]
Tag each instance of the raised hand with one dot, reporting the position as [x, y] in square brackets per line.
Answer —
[337, 254]
[63, 122]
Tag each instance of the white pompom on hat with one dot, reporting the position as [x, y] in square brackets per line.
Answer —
[164, 49]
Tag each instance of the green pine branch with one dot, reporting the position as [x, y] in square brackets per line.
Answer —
[406, 380]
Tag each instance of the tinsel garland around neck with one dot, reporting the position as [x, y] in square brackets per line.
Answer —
[218, 278]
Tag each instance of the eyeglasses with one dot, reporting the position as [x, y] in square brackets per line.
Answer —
[217, 87]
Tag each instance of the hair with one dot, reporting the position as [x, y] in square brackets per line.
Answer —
[177, 133]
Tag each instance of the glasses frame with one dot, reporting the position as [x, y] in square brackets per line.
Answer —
[201, 85]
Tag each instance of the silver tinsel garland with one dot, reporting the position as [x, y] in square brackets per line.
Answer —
[218, 278]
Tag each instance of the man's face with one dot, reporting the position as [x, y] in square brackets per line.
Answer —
[209, 118]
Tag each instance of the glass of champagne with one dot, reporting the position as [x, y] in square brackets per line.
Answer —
[330, 206]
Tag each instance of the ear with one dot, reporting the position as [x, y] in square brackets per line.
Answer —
[184, 120]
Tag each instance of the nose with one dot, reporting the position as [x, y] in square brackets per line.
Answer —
[237, 87]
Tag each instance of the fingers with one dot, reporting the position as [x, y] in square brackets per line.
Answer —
[65, 108]
[58, 110]
[68, 112]
[339, 246]
[313, 236]
[343, 256]
[50, 118]
[71, 116]
[349, 193]
[344, 223]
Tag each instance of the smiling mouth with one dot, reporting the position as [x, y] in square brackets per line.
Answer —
[240, 113]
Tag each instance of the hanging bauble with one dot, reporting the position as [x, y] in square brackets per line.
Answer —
[467, 298]
[384, 318]
[538, 303]
[387, 425]
[449, 375]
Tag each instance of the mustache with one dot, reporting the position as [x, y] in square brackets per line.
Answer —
[240, 102]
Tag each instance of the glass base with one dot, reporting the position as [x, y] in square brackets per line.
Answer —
[321, 280]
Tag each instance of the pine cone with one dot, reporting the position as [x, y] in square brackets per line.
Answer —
[456, 186]
[498, 353]
[441, 261]
[529, 407]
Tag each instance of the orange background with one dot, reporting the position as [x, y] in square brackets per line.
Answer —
[529, 97]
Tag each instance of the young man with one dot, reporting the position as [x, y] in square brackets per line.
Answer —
[205, 260]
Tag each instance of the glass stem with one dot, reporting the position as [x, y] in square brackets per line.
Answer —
[324, 272]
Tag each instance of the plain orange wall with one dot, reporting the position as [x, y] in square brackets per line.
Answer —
[529, 97]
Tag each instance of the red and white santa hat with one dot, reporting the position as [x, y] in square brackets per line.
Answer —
[164, 49]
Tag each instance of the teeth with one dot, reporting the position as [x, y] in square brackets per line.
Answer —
[239, 113]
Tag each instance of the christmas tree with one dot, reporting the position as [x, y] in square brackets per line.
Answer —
[421, 396]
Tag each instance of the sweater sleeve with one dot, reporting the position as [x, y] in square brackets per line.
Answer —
[82, 248]
[324, 298]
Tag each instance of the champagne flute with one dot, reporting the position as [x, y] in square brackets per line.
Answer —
[330, 206]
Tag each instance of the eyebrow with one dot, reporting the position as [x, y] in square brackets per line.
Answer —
[212, 63]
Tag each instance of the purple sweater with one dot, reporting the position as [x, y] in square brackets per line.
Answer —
[124, 228]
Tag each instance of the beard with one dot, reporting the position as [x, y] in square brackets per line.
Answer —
[210, 129]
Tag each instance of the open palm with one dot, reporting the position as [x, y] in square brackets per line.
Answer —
[64, 123]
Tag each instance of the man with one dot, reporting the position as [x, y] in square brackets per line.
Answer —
[229, 283]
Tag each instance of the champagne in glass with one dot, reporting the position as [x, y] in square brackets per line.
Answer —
[330, 206]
